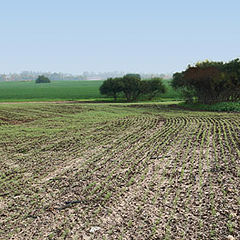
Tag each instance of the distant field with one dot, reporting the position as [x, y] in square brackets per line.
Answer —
[60, 90]
[171, 93]
[56, 90]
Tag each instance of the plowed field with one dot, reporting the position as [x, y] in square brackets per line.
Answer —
[85, 171]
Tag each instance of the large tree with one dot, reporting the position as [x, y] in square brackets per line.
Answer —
[153, 87]
[179, 83]
[131, 86]
[111, 87]
[204, 81]
[210, 82]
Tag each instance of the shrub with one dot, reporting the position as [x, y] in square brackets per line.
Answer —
[42, 79]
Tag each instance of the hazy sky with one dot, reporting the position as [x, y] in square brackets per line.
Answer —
[124, 35]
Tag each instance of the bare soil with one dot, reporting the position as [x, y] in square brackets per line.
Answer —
[127, 173]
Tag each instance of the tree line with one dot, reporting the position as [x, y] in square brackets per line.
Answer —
[132, 87]
[210, 82]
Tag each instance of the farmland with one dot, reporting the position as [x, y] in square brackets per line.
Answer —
[61, 90]
[56, 90]
[118, 171]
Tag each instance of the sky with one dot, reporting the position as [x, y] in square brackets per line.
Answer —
[151, 36]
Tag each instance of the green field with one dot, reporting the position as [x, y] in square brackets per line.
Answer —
[56, 90]
[61, 90]
[118, 171]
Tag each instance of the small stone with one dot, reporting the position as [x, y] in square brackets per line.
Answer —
[85, 237]
[94, 229]
[230, 237]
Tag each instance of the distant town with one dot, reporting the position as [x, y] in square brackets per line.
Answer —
[30, 76]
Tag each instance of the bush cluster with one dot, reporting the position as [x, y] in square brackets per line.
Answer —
[42, 79]
[216, 107]
[210, 82]
[132, 87]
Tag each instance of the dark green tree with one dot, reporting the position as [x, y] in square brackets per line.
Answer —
[179, 83]
[111, 87]
[42, 79]
[232, 75]
[131, 86]
[152, 88]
